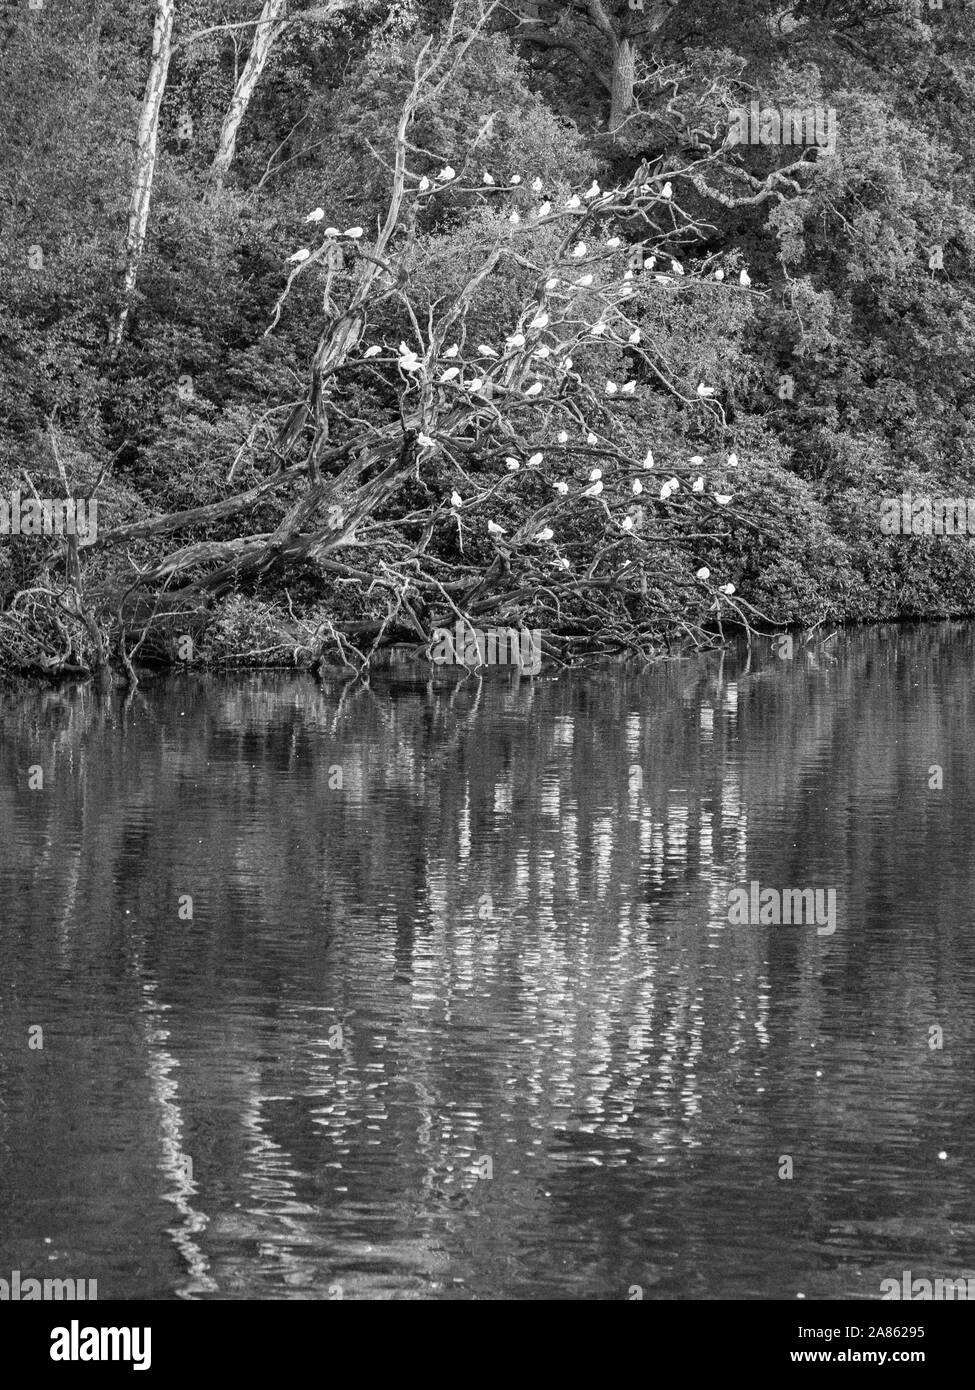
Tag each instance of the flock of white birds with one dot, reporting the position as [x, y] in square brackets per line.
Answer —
[413, 364]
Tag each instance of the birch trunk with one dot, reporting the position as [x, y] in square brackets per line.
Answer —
[267, 31]
[145, 164]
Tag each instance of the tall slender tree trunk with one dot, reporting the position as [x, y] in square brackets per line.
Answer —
[145, 163]
[624, 80]
[267, 31]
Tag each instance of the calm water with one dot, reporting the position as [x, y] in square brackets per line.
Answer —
[439, 931]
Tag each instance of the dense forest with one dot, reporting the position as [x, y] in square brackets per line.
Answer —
[360, 320]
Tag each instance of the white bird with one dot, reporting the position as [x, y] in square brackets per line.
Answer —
[676, 267]
[732, 460]
[574, 202]
[301, 255]
[611, 388]
[628, 275]
[452, 351]
[514, 218]
[728, 589]
[596, 474]
[535, 389]
[561, 488]
[648, 461]
[744, 279]
[597, 330]
[353, 232]
[424, 184]
[540, 320]
[552, 284]
[593, 491]
[634, 336]
[373, 351]
[516, 178]
[543, 351]
[545, 209]
[535, 460]
[446, 174]
[536, 185]
[545, 534]
[698, 485]
[637, 487]
[629, 388]
[663, 279]
[591, 438]
[512, 464]
[318, 215]
[697, 460]
[592, 191]
[704, 391]
[579, 249]
[719, 274]
[476, 384]
[584, 281]
[426, 440]
[628, 523]
[651, 262]
[495, 530]
[667, 190]
[673, 484]
[450, 373]
[567, 364]
[486, 178]
[703, 573]
[562, 562]
[455, 499]
[665, 492]
[485, 350]
[563, 436]
[722, 498]
[516, 340]
[410, 362]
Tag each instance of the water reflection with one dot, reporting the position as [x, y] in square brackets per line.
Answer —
[429, 990]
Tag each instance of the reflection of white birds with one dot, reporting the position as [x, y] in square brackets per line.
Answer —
[704, 391]
[594, 490]
[698, 485]
[318, 215]
[512, 465]
[744, 279]
[561, 488]
[722, 498]
[495, 530]
[667, 191]
[545, 534]
[373, 351]
[301, 255]
[634, 336]
[452, 351]
[446, 174]
[728, 589]
[353, 232]
[703, 573]
[535, 389]
[637, 487]
[629, 388]
[595, 475]
[732, 460]
[455, 499]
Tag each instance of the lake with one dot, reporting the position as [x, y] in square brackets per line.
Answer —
[429, 990]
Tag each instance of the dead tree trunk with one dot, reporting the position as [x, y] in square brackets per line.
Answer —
[624, 81]
[145, 163]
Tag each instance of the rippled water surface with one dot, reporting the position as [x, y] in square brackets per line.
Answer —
[428, 990]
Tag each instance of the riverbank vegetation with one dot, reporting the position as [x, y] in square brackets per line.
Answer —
[359, 320]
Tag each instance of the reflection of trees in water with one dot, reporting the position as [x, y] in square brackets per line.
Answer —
[602, 1011]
